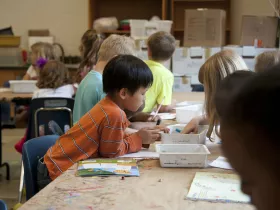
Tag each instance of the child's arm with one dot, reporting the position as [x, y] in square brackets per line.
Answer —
[166, 94]
[26, 77]
[192, 126]
[114, 142]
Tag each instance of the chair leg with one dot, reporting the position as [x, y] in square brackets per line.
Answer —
[21, 183]
[7, 169]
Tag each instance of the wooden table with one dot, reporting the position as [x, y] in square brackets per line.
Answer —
[156, 188]
[9, 95]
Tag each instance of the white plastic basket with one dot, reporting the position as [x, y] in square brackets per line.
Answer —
[144, 28]
[186, 114]
[182, 155]
[164, 25]
[174, 136]
[23, 86]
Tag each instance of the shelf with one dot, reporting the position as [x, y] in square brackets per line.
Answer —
[116, 32]
[182, 30]
[197, 0]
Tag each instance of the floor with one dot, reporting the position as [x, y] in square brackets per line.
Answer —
[9, 189]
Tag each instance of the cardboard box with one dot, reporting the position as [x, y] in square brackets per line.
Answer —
[262, 28]
[9, 41]
[182, 84]
[187, 61]
[42, 32]
[205, 27]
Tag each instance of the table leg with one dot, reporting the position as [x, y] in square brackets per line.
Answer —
[3, 164]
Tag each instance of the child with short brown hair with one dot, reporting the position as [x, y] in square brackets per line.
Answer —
[54, 81]
[267, 60]
[161, 46]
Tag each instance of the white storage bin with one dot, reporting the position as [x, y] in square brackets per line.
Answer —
[138, 28]
[186, 114]
[174, 137]
[145, 28]
[182, 155]
[164, 25]
[188, 103]
[23, 86]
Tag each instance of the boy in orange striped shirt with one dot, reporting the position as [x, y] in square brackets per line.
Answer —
[101, 132]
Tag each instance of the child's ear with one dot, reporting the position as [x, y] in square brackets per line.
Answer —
[149, 52]
[123, 93]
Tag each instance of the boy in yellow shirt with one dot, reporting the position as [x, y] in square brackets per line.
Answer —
[161, 46]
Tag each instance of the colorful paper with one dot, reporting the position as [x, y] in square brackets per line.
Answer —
[106, 167]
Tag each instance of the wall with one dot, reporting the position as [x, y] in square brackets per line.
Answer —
[67, 20]
[247, 7]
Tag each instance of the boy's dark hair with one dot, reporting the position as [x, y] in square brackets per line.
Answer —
[126, 71]
[161, 45]
[256, 106]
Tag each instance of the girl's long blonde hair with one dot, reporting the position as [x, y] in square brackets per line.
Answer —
[213, 71]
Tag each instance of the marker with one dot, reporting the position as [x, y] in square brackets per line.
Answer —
[158, 122]
[178, 130]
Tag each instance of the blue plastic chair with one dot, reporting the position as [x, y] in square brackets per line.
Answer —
[3, 205]
[32, 151]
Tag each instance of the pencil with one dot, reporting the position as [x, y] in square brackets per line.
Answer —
[159, 108]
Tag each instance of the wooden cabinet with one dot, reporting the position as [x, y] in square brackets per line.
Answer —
[178, 8]
[126, 9]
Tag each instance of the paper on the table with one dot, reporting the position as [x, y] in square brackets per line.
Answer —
[5, 90]
[143, 154]
[217, 187]
[221, 162]
[166, 116]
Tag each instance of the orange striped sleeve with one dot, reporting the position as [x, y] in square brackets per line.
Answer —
[114, 142]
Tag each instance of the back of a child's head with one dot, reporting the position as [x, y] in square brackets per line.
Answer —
[116, 45]
[161, 46]
[267, 60]
[53, 74]
[250, 134]
[229, 88]
[44, 50]
[126, 71]
[90, 45]
[212, 72]
[255, 104]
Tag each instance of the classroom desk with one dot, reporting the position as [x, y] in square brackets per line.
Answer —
[156, 188]
[7, 95]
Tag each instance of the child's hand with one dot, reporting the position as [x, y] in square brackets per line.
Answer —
[149, 135]
[191, 127]
[152, 118]
[162, 128]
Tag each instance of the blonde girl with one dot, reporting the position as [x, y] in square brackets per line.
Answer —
[267, 60]
[39, 50]
[213, 71]
[90, 44]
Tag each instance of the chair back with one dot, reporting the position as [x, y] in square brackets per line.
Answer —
[32, 151]
[48, 116]
[3, 205]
